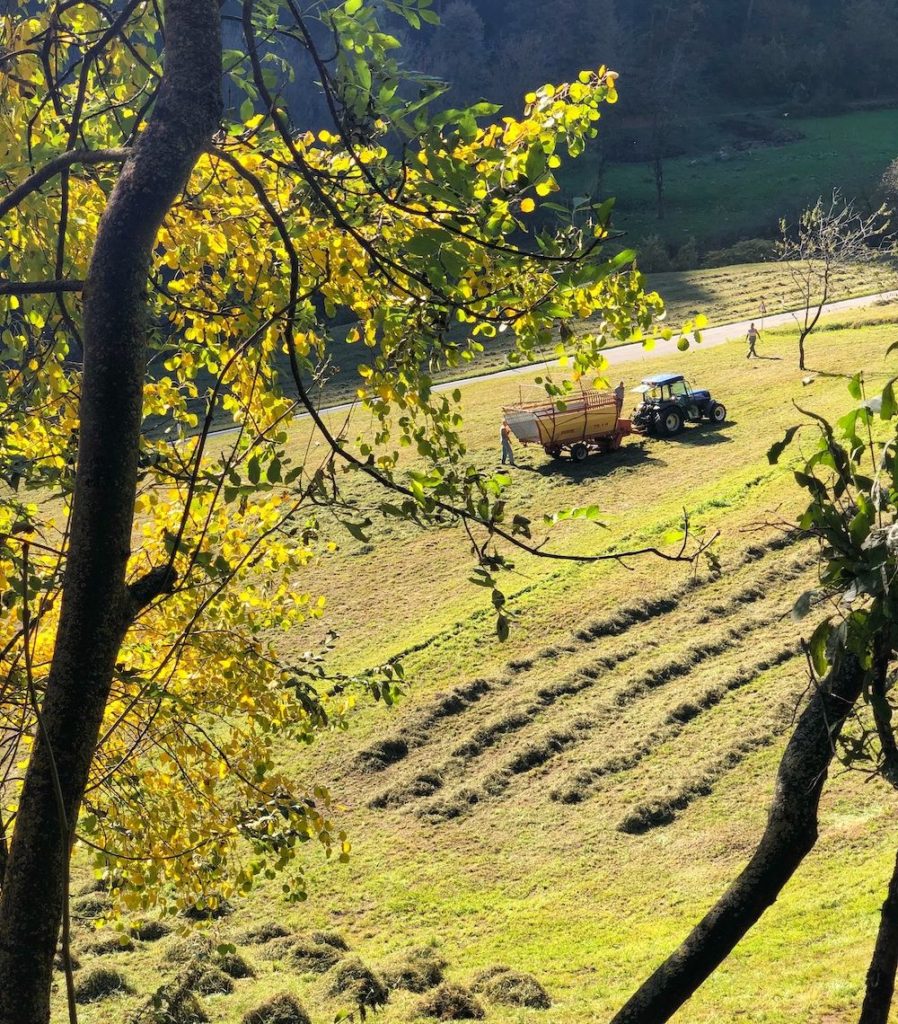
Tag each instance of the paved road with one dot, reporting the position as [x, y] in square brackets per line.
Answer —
[663, 349]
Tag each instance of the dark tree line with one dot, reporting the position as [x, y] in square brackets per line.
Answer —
[817, 54]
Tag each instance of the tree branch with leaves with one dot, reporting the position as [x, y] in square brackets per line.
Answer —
[172, 269]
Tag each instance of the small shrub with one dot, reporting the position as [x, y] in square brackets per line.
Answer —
[512, 988]
[450, 1002]
[653, 255]
[263, 933]
[100, 983]
[418, 970]
[281, 1009]
[687, 257]
[751, 250]
[233, 965]
[359, 983]
[213, 982]
[333, 939]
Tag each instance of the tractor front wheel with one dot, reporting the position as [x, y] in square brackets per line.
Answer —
[717, 414]
[671, 422]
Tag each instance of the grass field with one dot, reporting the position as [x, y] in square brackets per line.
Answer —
[717, 201]
[568, 803]
[724, 295]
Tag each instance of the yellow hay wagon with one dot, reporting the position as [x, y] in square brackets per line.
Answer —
[583, 423]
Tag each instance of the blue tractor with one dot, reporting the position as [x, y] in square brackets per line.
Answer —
[669, 402]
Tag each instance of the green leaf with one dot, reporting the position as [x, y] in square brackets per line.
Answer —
[802, 607]
[353, 6]
[254, 470]
[855, 387]
[536, 163]
[889, 404]
[817, 647]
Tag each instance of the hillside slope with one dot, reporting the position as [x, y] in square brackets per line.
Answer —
[568, 803]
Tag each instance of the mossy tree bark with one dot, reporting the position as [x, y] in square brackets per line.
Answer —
[790, 835]
[97, 603]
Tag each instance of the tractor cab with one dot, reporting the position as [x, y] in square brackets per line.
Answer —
[668, 402]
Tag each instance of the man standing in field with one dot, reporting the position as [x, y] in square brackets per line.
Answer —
[752, 339]
[507, 450]
[619, 395]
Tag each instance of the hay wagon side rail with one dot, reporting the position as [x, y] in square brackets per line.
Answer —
[585, 423]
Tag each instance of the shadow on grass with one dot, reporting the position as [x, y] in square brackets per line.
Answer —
[598, 466]
[701, 437]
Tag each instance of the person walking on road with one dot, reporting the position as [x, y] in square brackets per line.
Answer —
[507, 450]
[752, 339]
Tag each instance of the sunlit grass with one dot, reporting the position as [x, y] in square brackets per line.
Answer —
[524, 877]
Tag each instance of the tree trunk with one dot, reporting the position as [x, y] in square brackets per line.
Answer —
[884, 963]
[801, 356]
[790, 835]
[97, 604]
